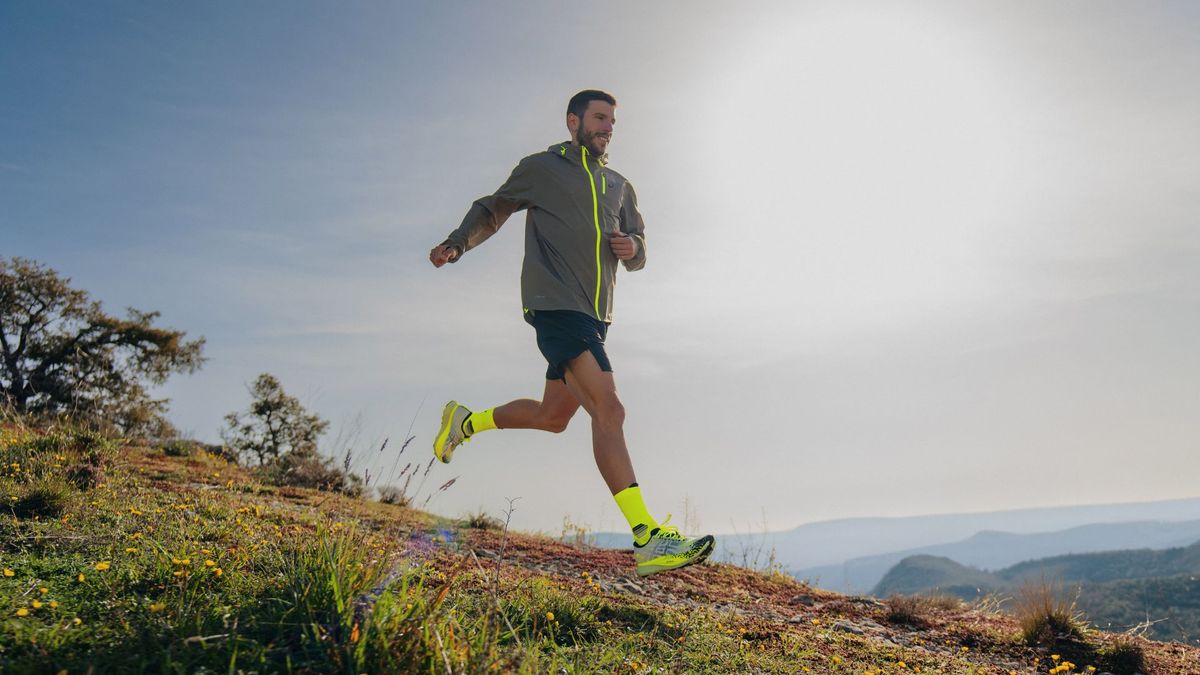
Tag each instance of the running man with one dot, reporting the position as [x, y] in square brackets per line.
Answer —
[581, 219]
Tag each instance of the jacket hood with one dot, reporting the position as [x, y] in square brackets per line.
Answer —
[575, 152]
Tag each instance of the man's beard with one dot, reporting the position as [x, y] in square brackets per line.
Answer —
[588, 140]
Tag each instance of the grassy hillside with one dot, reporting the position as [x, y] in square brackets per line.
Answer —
[1118, 590]
[1171, 605]
[922, 573]
[129, 559]
[1108, 566]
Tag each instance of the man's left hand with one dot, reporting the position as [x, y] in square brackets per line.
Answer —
[623, 246]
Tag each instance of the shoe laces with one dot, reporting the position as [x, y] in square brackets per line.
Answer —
[668, 531]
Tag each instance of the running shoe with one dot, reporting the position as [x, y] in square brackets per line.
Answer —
[452, 433]
[669, 550]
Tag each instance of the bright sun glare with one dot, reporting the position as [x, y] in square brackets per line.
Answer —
[876, 143]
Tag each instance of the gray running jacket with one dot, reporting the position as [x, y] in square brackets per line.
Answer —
[575, 204]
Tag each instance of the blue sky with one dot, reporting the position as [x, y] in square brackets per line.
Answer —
[904, 257]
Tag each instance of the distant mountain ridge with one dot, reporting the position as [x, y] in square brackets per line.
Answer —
[1116, 589]
[992, 550]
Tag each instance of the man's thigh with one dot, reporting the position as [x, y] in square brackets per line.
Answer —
[558, 400]
[589, 384]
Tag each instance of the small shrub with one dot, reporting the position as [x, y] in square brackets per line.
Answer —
[945, 602]
[390, 494]
[48, 443]
[44, 498]
[178, 448]
[91, 442]
[482, 521]
[1044, 616]
[311, 470]
[913, 610]
[907, 610]
[577, 535]
[84, 475]
[1123, 657]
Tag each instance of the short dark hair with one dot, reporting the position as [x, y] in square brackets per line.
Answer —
[579, 102]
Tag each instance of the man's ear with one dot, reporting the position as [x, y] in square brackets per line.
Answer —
[572, 123]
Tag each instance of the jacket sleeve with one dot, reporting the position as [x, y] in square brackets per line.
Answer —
[487, 214]
[631, 224]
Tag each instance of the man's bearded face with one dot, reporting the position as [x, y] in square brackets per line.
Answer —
[596, 127]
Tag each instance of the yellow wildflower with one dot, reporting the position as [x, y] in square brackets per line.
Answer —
[209, 563]
[549, 616]
[77, 621]
[80, 578]
[1055, 657]
[22, 612]
[101, 566]
[43, 590]
[218, 571]
[157, 607]
[8, 572]
[53, 604]
[36, 604]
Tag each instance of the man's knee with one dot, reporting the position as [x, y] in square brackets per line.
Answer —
[610, 413]
[555, 421]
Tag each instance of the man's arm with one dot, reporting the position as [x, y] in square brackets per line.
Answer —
[634, 229]
[487, 214]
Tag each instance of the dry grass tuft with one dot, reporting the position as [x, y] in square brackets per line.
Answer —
[42, 499]
[482, 521]
[914, 610]
[1123, 657]
[1045, 616]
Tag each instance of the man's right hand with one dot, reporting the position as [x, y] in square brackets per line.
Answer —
[442, 254]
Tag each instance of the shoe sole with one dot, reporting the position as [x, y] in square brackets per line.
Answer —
[439, 450]
[709, 544]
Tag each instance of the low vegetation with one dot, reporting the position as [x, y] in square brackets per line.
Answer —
[175, 559]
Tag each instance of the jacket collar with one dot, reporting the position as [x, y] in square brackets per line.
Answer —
[575, 153]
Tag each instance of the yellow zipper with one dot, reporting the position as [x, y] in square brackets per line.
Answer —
[596, 220]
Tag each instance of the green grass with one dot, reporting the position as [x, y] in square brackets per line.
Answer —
[139, 574]
[172, 562]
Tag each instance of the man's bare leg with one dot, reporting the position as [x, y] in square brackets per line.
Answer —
[552, 413]
[596, 390]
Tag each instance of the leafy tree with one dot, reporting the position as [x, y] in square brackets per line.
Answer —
[62, 355]
[276, 425]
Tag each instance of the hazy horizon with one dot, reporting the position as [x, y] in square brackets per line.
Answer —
[904, 258]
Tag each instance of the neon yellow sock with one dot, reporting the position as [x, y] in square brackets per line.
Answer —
[630, 502]
[481, 421]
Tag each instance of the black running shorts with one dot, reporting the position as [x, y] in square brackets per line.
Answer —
[563, 334]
